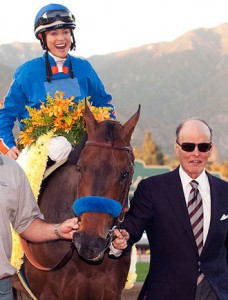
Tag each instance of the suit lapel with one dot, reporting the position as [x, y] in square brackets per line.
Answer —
[216, 199]
[175, 195]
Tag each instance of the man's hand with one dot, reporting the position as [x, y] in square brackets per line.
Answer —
[67, 228]
[13, 153]
[120, 242]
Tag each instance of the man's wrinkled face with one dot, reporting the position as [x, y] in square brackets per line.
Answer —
[194, 162]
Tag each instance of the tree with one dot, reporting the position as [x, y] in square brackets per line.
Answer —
[224, 169]
[150, 152]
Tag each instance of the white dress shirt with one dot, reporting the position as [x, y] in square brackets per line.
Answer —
[59, 62]
[204, 189]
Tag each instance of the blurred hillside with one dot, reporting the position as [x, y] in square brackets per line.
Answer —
[171, 80]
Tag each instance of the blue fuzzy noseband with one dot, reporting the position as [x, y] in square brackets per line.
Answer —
[96, 204]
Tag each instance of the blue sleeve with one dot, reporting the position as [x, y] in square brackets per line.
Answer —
[11, 107]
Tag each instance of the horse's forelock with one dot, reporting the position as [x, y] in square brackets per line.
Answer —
[110, 131]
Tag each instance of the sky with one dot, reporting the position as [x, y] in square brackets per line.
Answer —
[105, 26]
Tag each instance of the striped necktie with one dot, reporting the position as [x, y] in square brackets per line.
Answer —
[195, 210]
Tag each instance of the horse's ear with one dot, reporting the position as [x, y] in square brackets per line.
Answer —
[129, 126]
[89, 119]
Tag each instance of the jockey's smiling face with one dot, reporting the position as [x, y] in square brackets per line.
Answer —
[59, 41]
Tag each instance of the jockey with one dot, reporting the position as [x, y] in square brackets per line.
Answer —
[55, 71]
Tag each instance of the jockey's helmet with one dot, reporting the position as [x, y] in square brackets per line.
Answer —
[53, 16]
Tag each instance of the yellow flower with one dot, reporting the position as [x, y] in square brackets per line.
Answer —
[33, 160]
[17, 252]
[132, 276]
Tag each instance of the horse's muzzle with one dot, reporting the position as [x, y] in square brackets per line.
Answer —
[90, 248]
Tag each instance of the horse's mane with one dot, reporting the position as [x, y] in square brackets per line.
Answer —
[109, 136]
[74, 156]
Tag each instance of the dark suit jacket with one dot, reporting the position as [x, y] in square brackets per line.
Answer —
[159, 207]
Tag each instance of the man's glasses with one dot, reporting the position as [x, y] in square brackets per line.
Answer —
[54, 15]
[189, 147]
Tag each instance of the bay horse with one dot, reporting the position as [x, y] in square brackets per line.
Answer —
[100, 165]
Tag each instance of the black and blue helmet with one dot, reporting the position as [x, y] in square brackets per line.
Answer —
[53, 16]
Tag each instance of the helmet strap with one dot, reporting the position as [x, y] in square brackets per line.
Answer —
[48, 68]
[73, 43]
[71, 68]
[42, 38]
[42, 43]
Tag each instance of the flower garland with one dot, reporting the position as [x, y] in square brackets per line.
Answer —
[16, 259]
[33, 160]
[132, 275]
[60, 115]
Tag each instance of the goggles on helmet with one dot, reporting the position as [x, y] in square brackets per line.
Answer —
[54, 15]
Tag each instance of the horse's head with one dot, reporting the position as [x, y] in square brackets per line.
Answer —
[105, 169]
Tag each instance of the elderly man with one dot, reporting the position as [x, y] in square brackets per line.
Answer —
[185, 216]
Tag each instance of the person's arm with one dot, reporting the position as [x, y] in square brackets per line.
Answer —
[10, 108]
[119, 243]
[40, 231]
[136, 219]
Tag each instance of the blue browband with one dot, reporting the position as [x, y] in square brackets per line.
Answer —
[96, 204]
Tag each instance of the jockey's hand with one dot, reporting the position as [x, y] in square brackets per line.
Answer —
[13, 153]
[122, 236]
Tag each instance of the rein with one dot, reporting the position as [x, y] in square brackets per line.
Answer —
[62, 262]
[109, 146]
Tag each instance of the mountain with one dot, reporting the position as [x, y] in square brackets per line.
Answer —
[171, 80]
[12, 56]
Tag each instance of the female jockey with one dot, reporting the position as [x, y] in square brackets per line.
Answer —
[55, 71]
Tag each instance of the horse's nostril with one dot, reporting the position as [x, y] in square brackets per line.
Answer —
[90, 248]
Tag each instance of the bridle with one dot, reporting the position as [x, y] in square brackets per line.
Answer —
[124, 198]
[129, 149]
[111, 236]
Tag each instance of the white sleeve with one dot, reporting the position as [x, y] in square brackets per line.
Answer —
[114, 251]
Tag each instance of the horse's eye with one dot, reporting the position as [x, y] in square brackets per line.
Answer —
[78, 168]
[124, 175]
